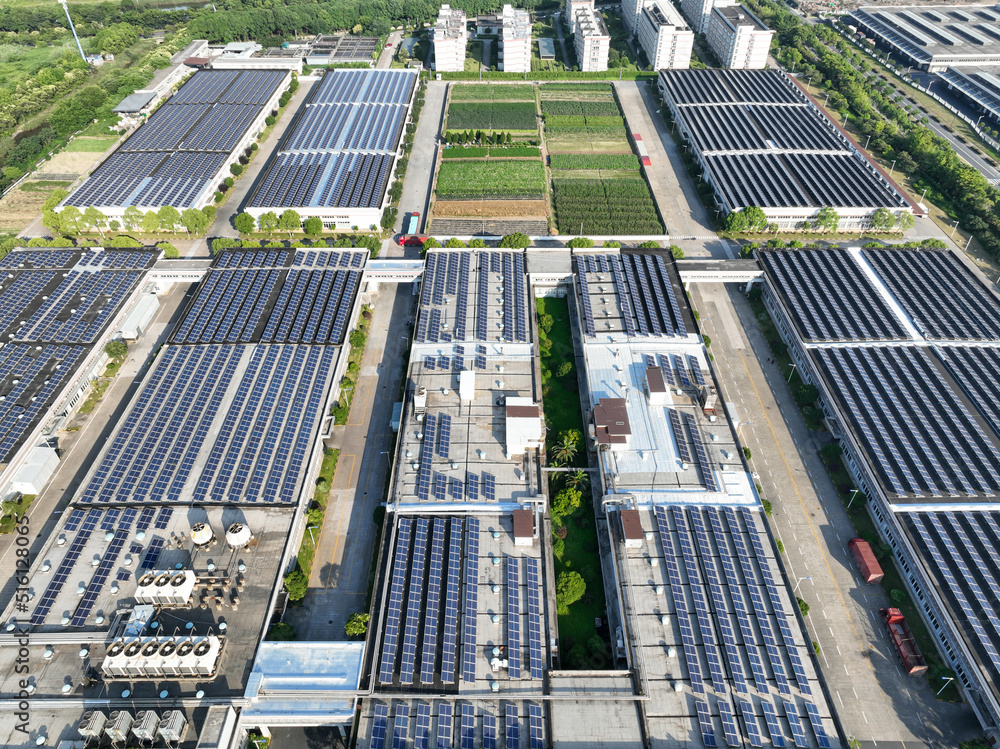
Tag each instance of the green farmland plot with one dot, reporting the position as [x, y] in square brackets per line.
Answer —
[502, 115]
[594, 161]
[492, 92]
[607, 206]
[491, 180]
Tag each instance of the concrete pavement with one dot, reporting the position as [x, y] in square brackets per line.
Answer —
[420, 169]
[385, 57]
[874, 700]
[338, 584]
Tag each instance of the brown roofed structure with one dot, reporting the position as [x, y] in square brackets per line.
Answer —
[611, 421]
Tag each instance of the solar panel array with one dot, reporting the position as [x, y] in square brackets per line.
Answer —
[28, 259]
[62, 572]
[240, 304]
[830, 298]
[175, 157]
[513, 618]
[715, 559]
[499, 300]
[273, 409]
[765, 144]
[646, 295]
[341, 151]
[420, 632]
[922, 439]
[960, 552]
[942, 297]
[29, 380]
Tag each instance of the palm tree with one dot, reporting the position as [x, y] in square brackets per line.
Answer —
[577, 479]
[565, 451]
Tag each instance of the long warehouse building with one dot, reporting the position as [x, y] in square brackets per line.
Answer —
[903, 346]
[762, 142]
[182, 154]
[337, 162]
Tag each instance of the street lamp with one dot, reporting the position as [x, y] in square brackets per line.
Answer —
[978, 121]
[854, 495]
[799, 583]
[892, 167]
[311, 528]
[928, 89]
[947, 680]
[349, 389]
[867, 142]
[953, 229]
[791, 372]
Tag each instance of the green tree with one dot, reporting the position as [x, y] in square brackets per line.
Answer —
[50, 219]
[281, 632]
[297, 585]
[827, 219]
[290, 221]
[70, 220]
[357, 625]
[235, 169]
[169, 218]
[477, 243]
[564, 369]
[116, 38]
[749, 219]
[169, 251]
[12, 173]
[116, 349]
[268, 222]
[677, 252]
[649, 244]
[358, 339]
[313, 226]
[565, 451]
[515, 241]
[570, 588]
[55, 198]
[806, 394]
[803, 606]
[195, 221]
[132, 219]
[430, 243]
[577, 242]
[150, 222]
[566, 502]
[454, 243]
[830, 452]
[904, 221]
[245, 223]
[577, 479]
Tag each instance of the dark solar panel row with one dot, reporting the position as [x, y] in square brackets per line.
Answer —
[712, 86]
[394, 605]
[64, 569]
[513, 618]
[108, 560]
[752, 127]
[942, 297]
[348, 127]
[165, 130]
[830, 297]
[922, 438]
[152, 554]
[283, 417]
[117, 259]
[651, 293]
[253, 258]
[37, 259]
[30, 378]
[351, 180]
[364, 86]
[313, 307]
[471, 613]
[156, 446]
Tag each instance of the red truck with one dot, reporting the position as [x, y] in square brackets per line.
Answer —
[871, 570]
[899, 631]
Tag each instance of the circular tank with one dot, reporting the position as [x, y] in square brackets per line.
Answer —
[238, 535]
[201, 534]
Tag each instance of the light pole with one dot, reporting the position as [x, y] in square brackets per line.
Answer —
[312, 538]
[928, 89]
[922, 195]
[976, 126]
[869, 140]
[947, 680]
[790, 372]
[854, 495]
[968, 243]
[892, 167]
[349, 389]
[799, 583]
[953, 229]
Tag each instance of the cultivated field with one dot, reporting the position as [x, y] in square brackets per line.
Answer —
[491, 92]
[605, 206]
[491, 209]
[502, 115]
[23, 204]
[492, 180]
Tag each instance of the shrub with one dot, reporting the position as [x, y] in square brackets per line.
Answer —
[269, 120]
[897, 596]
[357, 625]
[236, 169]
[297, 584]
[803, 606]
[570, 588]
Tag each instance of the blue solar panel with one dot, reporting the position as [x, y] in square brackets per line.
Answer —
[108, 561]
[535, 647]
[395, 604]
[489, 487]
[773, 726]
[163, 519]
[817, 726]
[750, 721]
[449, 644]
[467, 737]
[74, 520]
[472, 486]
[705, 721]
[489, 731]
[145, 518]
[536, 727]
[471, 601]
[380, 725]
[729, 729]
[65, 567]
[152, 554]
[401, 726]
[795, 723]
[422, 730]
[444, 731]
[444, 434]
[416, 584]
[513, 619]
[511, 727]
[435, 575]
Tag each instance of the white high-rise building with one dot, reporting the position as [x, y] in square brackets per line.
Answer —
[572, 6]
[515, 50]
[699, 11]
[738, 38]
[450, 39]
[665, 37]
[630, 14]
[591, 40]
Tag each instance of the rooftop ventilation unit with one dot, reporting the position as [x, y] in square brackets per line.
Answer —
[118, 725]
[238, 535]
[172, 726]
[92, 724]
[144, 727]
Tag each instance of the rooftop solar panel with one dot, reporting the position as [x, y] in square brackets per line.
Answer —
[401, 726]
[511, 727]
[513, 618]
[467, 738]
[773, 726]
[471, 615]
[380, 725]
[536, 727]
[445, 726]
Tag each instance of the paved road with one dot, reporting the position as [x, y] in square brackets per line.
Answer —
[223, 224]
[420, 169]
[875, 701]
[385, 58]
[557, 22]
[687, 219]
[339, 581]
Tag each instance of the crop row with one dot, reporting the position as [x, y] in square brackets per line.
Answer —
[600, 133]
[492, 116]
[558, 88]
[492, 92]
[570, 107]
[498, 152]
[611, 206]
[579, 119]
[593, 161]
[491, 180]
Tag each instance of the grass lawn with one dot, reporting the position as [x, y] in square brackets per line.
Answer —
[44, 185]
[90, 145]
[18, 61]
[99, 129]
[579, 550]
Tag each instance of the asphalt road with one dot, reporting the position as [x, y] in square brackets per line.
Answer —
[420, 169]
[875, 701]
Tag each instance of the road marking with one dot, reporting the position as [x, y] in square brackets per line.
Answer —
[343, 511]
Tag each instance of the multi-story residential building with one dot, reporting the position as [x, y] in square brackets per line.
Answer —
[450, 38]
[515, 50]
[591, 40]
[699, 11]
[571, 7]
[739, 39]
[665, 37]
